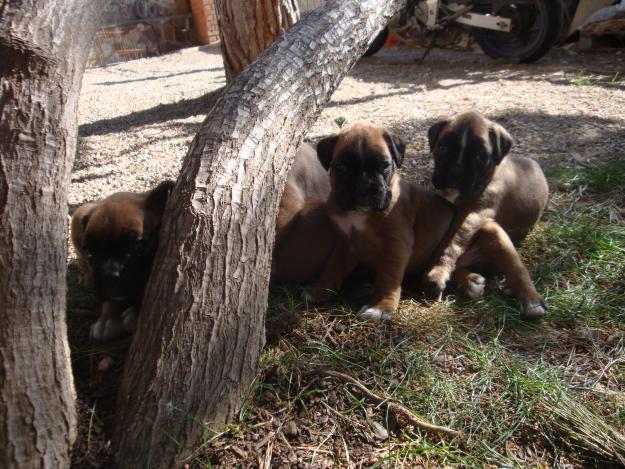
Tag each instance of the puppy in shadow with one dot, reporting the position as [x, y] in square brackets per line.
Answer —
[116, 239]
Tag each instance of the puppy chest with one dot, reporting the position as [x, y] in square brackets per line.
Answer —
[350, 224]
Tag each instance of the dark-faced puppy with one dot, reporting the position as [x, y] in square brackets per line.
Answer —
[472, 171]
[374, 211]
[115, 239]
[391, 226]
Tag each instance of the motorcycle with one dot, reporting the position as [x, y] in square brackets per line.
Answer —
[521, 31]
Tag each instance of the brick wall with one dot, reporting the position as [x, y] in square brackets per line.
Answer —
[205, 21]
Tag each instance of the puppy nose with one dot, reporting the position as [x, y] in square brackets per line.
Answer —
[112, 269]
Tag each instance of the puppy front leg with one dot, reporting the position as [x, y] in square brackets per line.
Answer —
[115, 320]
[462, 230]
[387, 287]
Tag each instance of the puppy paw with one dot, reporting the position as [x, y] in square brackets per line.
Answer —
[106, 329]
[474, 286]
[435, 282]
[375, 314]
[129, 320]
[533, 310]
[316, 295]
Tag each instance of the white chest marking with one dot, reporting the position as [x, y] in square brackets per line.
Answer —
[352, 221]
[451, 195]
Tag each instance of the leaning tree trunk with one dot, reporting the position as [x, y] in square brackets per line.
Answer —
[43, 49]
[201, 328]
[247, 27]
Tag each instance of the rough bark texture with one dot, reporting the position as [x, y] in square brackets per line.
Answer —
[201, 329]
[43, 45]
[247, 27]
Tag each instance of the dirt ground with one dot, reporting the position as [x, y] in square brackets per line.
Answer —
[136, 121]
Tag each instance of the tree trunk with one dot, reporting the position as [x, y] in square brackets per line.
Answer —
[201, 328]
[247, 27]
[43, 45]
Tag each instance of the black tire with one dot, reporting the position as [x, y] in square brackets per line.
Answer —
[536, 26]
[377, 43]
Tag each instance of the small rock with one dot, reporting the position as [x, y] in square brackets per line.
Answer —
[616, 336]
[290, 429]
[379, 432]
[592, 334]
[442, 358]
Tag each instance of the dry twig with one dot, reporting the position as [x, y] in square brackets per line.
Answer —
[395, 407]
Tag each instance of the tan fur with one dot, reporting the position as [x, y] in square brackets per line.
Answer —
[304, 235]
[109, 219]
[515, 198]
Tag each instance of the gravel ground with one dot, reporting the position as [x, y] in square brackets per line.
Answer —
[137, 118]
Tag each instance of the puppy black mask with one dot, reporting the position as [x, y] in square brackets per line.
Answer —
[362, 160]
[466, 151]
[120, 241]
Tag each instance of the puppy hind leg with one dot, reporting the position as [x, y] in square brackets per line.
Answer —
[496, 247]
[339, 265]
[291, 203]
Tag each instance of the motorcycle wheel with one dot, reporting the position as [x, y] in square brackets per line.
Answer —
[536, 26]
[377, 43]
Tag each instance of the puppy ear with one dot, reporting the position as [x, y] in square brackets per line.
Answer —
[396, 147]
[157, 198]
[80, 218]
[325, 149]
[500, 140]
[434, 132]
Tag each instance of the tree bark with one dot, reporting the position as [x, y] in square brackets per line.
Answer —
[44, 46]
[247, 27]
[201, 328]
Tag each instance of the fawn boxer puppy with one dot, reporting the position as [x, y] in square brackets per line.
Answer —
[304, 236]
[471, 171]
[395, 227]
[116, 239]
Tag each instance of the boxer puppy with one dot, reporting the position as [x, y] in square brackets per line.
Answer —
[394, 227]
[305, 238]
[471, 171]
[115, 239]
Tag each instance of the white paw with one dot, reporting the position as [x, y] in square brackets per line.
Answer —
[106, 329]
[375, 314]
[534, 310]
[475, 286]
[129, 320]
